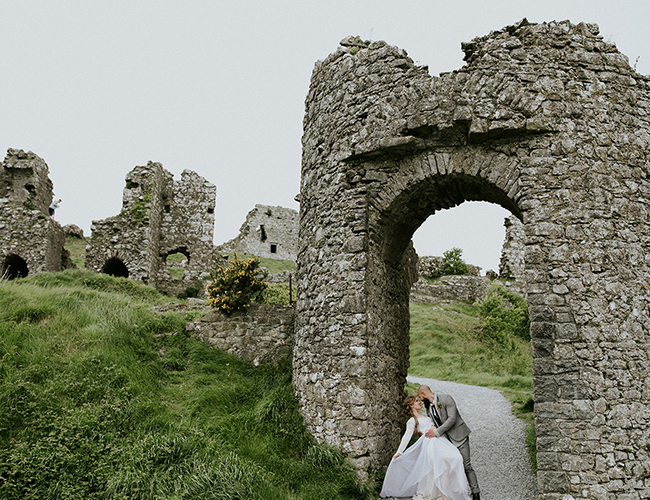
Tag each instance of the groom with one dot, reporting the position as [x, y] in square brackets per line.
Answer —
[443, 412]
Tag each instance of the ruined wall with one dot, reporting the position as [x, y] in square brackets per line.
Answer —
[268, 231]
[30, 241]
[187, 226]
[550, 122]
[465, 288]
[159, 216]
[263, 333]
[511, 265]
[25, 180]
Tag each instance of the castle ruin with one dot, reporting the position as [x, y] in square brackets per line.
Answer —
[30, 240]
[160, 218]
[270, 232]
[550, 122]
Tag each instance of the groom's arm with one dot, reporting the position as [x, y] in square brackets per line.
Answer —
[452, 415]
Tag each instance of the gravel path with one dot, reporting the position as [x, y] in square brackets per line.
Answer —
[497, 441]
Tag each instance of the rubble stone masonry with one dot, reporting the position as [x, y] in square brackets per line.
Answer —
[159, 217]
[30, 240]
[547, 120]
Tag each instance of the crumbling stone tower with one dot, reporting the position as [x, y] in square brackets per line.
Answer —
[548, 121]
[159, 217]
[30, 240]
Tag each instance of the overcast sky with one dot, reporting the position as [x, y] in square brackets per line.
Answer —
[96, 88]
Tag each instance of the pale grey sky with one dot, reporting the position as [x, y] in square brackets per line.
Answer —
[95, 88]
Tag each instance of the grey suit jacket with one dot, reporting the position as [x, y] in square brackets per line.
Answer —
[452, 423]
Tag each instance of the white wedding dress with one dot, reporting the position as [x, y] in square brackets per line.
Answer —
[429, 468]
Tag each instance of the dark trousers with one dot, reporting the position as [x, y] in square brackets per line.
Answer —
[467, 463]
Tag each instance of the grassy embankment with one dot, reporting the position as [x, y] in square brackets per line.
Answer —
[100, 397]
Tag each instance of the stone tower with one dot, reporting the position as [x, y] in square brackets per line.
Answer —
[30, 241]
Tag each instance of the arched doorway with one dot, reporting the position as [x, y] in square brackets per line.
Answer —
[14, 266]
[357, 282]
[115, 267]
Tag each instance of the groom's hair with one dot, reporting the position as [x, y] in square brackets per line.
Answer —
[424, 400]
[424, 387]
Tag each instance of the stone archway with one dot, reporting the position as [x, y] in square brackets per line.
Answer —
[550, 122]
[115, 267]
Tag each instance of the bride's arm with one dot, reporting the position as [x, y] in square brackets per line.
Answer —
[410, 427]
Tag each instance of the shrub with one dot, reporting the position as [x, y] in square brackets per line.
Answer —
[505, 316]
[235, 287]
[452, 262]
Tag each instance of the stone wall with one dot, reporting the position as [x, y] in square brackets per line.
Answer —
[550, 122]
[159, 217]
[263, 333]
[30, 240]
[268, 231]
[464, 288]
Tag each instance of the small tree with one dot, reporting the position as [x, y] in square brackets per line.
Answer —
[235, 287]
[452, 262]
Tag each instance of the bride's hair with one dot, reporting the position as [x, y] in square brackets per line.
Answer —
[407, 404]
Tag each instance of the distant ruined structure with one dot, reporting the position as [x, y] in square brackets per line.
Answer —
[160, 217]
[512, 264]
[268, 231]
[30, 240]
[547, 120]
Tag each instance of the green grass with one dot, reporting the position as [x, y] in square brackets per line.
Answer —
[77, 249]
[102, 398]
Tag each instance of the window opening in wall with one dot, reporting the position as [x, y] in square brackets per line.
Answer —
[176, 263]
[274, 248]
[167, 208]
[262, 233]
[115, 267]
[14, 267]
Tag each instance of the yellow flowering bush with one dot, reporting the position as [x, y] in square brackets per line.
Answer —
[236, 286]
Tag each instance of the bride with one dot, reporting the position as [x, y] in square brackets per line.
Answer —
[431, 469]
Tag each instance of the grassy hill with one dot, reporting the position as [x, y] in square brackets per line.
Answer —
[101, 397]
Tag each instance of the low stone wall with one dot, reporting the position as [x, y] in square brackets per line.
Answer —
[264, 333]
[465, 288]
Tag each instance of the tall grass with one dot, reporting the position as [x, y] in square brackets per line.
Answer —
[102, 398]
[446, 344]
